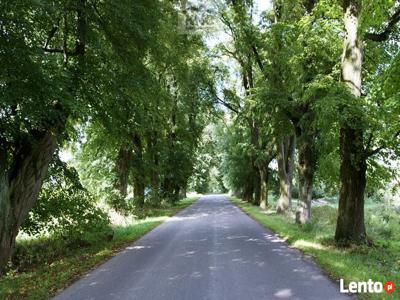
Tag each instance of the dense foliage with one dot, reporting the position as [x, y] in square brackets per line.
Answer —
[313, 105]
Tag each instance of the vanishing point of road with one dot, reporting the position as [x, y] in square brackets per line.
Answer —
[210, 250]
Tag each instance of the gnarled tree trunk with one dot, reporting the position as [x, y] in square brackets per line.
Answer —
[285, 171]
[20, 186]
[350, 223]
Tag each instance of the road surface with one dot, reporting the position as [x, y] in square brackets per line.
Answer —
[211, 250]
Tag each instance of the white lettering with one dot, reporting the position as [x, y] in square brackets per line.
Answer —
[353, 287]
[342, 289]
[378, 287]
[361, 287]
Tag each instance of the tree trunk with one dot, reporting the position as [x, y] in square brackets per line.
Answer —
[306, 170]
[257, 186]
[350, 223]
[138, 192]
[154, 196]
[182, 193]
[285, 171]
[176, 195]
[20, 186]
[138, 170]
[264, 187]
[122, 168]
[154, 178]
[248, 191]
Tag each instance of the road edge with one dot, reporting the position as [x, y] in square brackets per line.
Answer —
[306, 256]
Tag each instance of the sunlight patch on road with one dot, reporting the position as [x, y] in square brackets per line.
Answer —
[137, 247]
[284, 293]
[192, 217]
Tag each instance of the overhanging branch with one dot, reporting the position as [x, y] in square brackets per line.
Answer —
[385, 34]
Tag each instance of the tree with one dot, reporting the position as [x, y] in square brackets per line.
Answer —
[36, 103]
[354, 146]
[50, 80]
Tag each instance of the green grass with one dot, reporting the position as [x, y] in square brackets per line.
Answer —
[380, 262]
[47, 265]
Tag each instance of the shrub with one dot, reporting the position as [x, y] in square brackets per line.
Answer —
[65, 208]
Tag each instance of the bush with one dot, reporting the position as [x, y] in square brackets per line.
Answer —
[124, 206]
[382, 223]
[66, 209]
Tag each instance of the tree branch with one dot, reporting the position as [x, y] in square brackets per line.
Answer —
[51, 34]
[385, 34]
[380, 148]
[226, 104]
[252, 45]
[80, 42]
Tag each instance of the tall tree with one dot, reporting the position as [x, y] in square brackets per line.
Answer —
[354, 142]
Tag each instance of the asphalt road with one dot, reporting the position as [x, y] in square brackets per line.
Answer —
[211, 250]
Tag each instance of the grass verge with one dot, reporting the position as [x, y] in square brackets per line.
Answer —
[380, 262]
[56, 264]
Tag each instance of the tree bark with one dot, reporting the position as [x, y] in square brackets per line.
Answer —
[122, 168]
[182, 193]
[306, 170]
[264, 187]
[307, 159]
[154, 178]
[285, 171]
[138, 191]
[248, 191]
[350, 223]
[138, 177]
[257, 186]
[20, 186]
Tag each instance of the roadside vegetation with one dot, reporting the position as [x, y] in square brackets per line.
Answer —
[379, 262]
[43, 266]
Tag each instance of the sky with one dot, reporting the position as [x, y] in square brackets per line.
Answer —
[220, 36]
